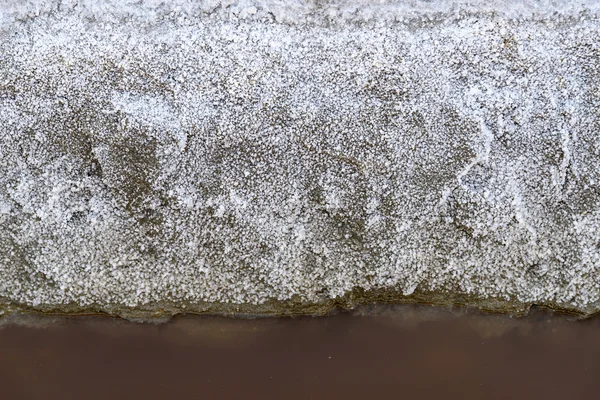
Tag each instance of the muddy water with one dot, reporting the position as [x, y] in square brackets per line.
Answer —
[376, 352]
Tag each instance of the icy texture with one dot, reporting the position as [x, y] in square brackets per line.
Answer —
[243, 152]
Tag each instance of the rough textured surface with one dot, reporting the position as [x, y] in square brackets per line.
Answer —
[273, 157]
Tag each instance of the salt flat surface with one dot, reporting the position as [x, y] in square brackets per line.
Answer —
[221, 153]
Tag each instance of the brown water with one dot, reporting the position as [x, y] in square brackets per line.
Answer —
[377, 352]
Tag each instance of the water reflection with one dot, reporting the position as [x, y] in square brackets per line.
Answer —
[373, 352]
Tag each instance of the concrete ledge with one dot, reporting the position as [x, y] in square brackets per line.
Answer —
[279, 158]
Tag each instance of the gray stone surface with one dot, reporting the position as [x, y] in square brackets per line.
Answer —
[277, 157]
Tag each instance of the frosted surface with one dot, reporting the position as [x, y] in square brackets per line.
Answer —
[222, 153]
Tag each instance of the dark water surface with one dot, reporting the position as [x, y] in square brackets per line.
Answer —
[376, 352]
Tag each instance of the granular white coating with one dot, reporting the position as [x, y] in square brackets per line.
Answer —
[239, 152]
